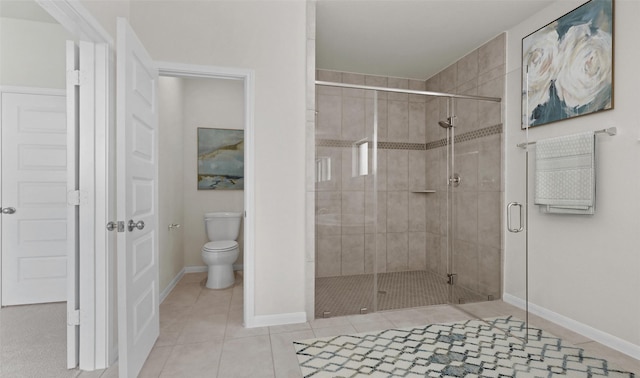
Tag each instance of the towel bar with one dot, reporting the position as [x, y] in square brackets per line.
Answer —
[609, 131]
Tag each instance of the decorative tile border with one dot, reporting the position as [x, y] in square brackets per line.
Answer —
[464, 137]
[400, 146]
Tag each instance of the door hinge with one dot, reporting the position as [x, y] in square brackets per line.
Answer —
[73, 197]
[74, 77]
[73, 318]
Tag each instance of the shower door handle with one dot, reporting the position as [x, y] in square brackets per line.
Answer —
[513, 229]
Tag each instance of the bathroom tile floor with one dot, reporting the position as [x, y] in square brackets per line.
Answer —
[201, 335]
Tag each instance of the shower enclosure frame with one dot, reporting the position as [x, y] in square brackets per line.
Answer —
[450, 161]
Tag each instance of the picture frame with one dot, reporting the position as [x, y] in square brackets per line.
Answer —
[220, 159]
[567, 66]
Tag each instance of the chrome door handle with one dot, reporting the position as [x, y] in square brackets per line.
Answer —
[112, 226]
[8, 210]
[131, 225]
[513, 229]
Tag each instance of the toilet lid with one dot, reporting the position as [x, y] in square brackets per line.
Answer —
[221, 245]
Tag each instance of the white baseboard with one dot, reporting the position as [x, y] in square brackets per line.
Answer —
[203, 268]
[195, 269]
[277, 319]
[255, 321]
[603, 338]
[171, 285]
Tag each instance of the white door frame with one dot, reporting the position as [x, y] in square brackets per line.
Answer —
[96, 295]
[248, 78]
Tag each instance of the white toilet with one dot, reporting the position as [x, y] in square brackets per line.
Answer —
[222, 250]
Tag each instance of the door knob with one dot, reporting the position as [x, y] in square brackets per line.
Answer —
[8, 210]
[131, 225]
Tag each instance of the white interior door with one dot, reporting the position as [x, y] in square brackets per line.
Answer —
[34, 198]
[137, 151]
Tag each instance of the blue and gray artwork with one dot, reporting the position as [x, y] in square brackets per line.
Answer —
[220, 159]
[568, 65]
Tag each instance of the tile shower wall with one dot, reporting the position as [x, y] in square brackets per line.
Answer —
[411, 229]
[478, 251]
[346, 235]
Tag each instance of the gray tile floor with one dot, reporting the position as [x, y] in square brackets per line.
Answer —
[201, 335]
[346, 295]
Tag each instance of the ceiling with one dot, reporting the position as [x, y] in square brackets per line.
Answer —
[400, 38]
[410, 38]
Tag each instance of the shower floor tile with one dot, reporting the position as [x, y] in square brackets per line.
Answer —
[347, 295]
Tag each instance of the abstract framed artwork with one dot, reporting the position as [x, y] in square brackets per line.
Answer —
[567, 66]
[220, 159]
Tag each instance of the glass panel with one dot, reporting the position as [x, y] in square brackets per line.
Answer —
[405, 219]
[346, 201]
[475, 189]
[411, 235]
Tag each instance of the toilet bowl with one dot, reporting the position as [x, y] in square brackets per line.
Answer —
[222, 250]
[219, 257]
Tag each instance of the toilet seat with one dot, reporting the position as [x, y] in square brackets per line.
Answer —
[220, 246]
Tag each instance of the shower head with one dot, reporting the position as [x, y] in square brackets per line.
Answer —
[446, 124]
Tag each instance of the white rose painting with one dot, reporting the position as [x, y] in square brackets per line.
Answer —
[220, 159]
[567, 66]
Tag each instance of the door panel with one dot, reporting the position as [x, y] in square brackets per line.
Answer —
[34, 179]
[138, 318]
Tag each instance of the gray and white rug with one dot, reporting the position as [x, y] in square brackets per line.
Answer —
[473, 348]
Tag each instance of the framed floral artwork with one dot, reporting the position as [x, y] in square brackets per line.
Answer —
[567, 66]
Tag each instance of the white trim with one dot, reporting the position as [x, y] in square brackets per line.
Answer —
[195, 269]
[167, 290]
[74, 17]
[89, 259]
[248, 77]
[95, 331]
[249, 203]
[603, 338]
[279, 319]
[32, 90]
[73, 212]
[100, 172]
[203, 268]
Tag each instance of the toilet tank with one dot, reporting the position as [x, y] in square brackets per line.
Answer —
[222, 225]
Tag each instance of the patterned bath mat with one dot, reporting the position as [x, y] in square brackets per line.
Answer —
[472, 348]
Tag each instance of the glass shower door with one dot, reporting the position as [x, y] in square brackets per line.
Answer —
[474, 191]
[346, 201]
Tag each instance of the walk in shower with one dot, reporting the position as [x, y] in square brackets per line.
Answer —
[408, 195]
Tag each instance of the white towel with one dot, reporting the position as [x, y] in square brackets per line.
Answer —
[565, 174]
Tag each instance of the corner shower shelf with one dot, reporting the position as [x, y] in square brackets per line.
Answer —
[424, 191]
